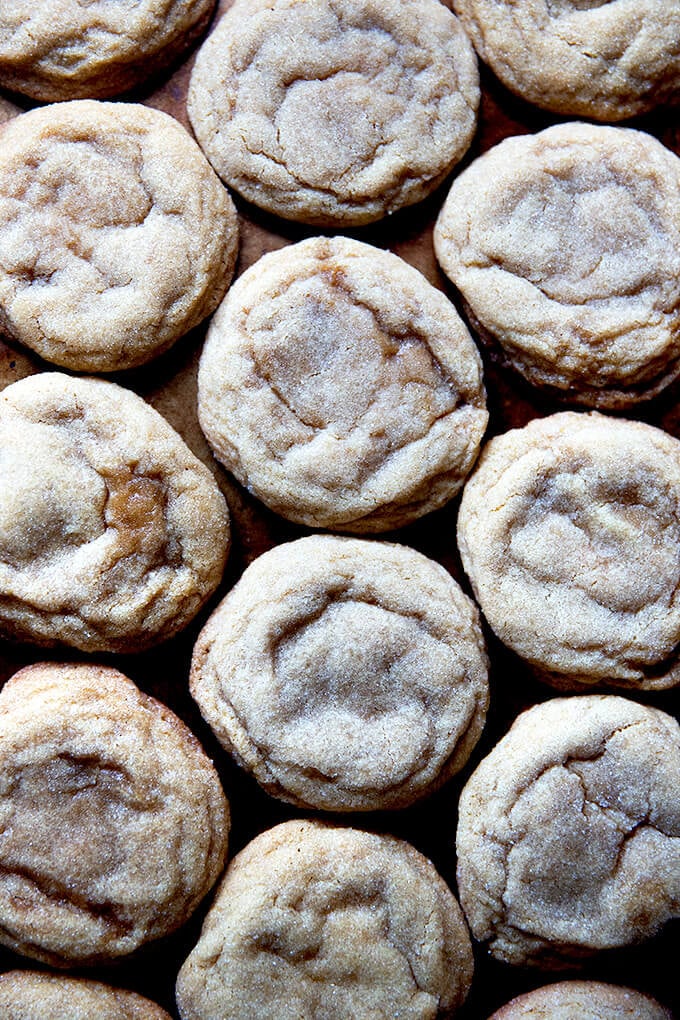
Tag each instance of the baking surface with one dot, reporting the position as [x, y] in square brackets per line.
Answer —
[169, 384]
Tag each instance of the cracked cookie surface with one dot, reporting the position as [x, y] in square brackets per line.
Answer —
[114, 822]
[335, 112]
[605, 59]
[569, 531]
[566, 248]
[344, 674]
[313, 921]
[70, 49]
[341, 388]
[582, 1000]
[116, 236]
[112, 534]
[31, 995]
[569, 831]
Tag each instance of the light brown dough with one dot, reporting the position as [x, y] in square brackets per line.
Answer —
[582, 1000]
[112, 534]
[335, 112]
[569, 531]
[116, 237]
[344, 674]
[566, 248]
[68, 49]
[592, 58]
[569, 831]
[315, 921]
[341, 388]
[114, 821]
[31, 995]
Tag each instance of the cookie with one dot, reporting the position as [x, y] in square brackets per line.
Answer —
[344, 674]
[592, 58]
[582, 1000]
[116, 237]
[569, 531]
[317, 921]
[114, 821]
[569, 831]
[566, 248]
[31, 995]
[66, 49]
[341, 388]
[112, 534]
[335, 113]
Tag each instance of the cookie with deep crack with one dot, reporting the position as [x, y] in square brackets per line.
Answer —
[569, 531]
[341, 388]
[590, 58]
[566, 248]
[335, 112]
[569, 831]
[313, 920]
[116, 236]
[112, 533]
[582, 1000]
[114, 821]
[66, 49]
[33, 995]
[344, 674]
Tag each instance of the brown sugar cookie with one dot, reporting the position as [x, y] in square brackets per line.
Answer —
[569, 531]
[341, 388]
[569, 831]
[116, 237]
[592, 58]
[114, 822]
[32, 995]
[566, 248]
[67, 49]
[344, 674]
[582, 1000]
[112, 534]
[317, 921]
[335, 113]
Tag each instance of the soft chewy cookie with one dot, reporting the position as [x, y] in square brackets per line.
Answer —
[569, 831]
[114, 821]
[116, 237]
[335, 112]
[344, 674]
[316, 921]
[30, 995]
[112, 534]
[341, 388]
[593, 58]
[67, 49]
[569, 531]
[582, 1000]
[566, 248]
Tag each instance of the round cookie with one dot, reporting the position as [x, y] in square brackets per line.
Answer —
[112, 534]
[582, 1000]
[116, 237]
[569, 831]
[341, 388]
[317, 921]
[31, 995]
[566, 248]
[67, 49]
[344, 674]
[569, 531]
[591, 58]
[335, 112]
[114, 821]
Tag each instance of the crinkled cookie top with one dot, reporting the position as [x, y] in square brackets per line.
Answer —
[582, 1000]
[33, 995]
[112, 534]
[335, 112]
[114, 821]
